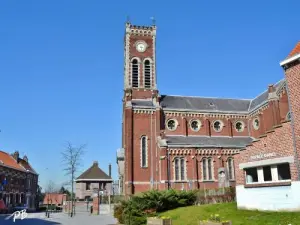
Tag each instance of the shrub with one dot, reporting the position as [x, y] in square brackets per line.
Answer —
[136, 210]
[118, 212]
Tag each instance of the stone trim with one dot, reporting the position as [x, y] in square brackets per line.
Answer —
[273, 184]
[143, 111]
[179, 151]
[288, 159]
[203, 113]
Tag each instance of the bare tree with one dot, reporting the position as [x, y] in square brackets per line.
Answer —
[50, 188]
[72, 160]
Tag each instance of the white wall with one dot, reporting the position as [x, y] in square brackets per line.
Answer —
[285, 198]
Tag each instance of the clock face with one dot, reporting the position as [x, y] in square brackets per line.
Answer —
[141, 47]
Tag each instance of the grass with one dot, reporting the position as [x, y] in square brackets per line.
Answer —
[228, 211]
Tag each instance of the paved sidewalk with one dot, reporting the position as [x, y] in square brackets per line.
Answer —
[60, 219]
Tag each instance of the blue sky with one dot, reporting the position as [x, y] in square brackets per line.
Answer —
[61, 66]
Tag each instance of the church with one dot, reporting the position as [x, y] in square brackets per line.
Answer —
[182, 142]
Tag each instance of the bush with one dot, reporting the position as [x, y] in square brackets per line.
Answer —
[118, 212]
[136, 210]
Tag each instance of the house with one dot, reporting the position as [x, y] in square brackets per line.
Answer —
[92, 181]
[18, 181]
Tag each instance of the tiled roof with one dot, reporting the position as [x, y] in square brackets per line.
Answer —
[54, 198]
[94, 172]
[8, 160]
[296, 50]
[205, 141]
[204, 104]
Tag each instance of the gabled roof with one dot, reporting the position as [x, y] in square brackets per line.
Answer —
[210, 142]
[296, 50]
[7, 160]
[94, 173]
[263, 97]
[26, 165]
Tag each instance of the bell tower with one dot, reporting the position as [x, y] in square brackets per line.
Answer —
[140, 61]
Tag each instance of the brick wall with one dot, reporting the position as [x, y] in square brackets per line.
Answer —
[292, 73]
[279, 141]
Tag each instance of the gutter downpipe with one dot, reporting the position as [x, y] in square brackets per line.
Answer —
[168, 169]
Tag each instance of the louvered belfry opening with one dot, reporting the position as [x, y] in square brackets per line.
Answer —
[147, 73]
[135, 73]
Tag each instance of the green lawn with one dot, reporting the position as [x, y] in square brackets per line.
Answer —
[228, 211]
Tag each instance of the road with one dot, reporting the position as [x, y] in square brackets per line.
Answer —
[59, 219]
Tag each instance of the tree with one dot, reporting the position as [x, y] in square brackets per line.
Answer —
[63, 190]
[71, 161]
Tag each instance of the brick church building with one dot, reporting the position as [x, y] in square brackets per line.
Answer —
[183, 142]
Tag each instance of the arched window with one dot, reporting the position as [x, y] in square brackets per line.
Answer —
[144, 151]
[180, 167]
[209, 165]
[207, 169]
[230, 166]
[204, 169]
[147, 74]
[135, 73]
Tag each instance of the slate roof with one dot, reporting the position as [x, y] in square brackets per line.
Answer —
[142, 103]
[263, 97]
[94, 172]
[215, 104]
[205, 141]
[205, 104]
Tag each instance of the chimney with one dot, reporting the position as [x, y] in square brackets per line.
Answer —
[271, 88]
[16, 155]
[95, 163]
[25, 158]
[109, 170]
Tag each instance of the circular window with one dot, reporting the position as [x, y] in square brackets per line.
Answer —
[195, 125]
[172, 124]
[239, 126]
[256, 123]
[218, 125]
